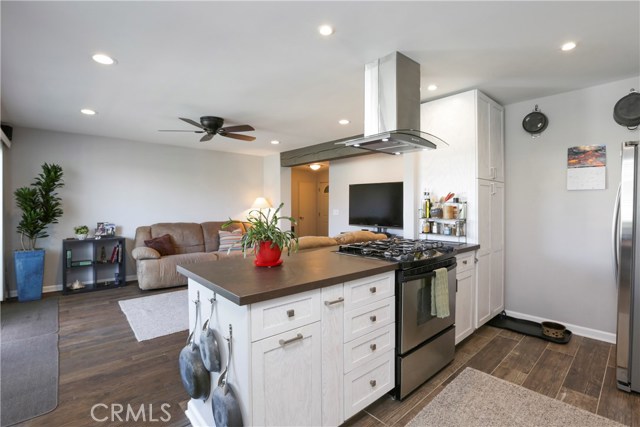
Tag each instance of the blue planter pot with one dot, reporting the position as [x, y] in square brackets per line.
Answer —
[29, 268]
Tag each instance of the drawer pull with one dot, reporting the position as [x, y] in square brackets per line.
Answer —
[373, 347]
[372, 289]
[291, 313]
[372, 318]
[373, 383]
[296, 338]
[464, 262]
[335, 301]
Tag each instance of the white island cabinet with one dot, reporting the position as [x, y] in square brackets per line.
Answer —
[293, 362]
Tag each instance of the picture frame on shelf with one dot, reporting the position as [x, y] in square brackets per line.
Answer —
[110, 229]
[100, 230]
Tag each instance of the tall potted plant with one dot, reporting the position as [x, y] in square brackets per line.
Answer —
[40, 206]
[265, 236]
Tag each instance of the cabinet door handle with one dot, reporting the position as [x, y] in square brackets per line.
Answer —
[335, 301]
[372, 289]
[373, 347]
[290, 340]
[372, 318]
[291, 313]
[372, 383]
[464, 262]
[475, 260]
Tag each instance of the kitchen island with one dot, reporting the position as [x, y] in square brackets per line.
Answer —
[313, 339]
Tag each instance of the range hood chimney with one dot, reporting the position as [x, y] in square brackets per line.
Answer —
[392, 108]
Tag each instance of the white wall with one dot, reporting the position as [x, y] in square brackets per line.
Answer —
[558, 243]
[127, 183]
[358, 170]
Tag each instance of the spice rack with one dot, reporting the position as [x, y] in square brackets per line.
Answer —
[443, 220]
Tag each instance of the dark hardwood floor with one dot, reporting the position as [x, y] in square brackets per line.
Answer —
[101, 362]
[581, 373]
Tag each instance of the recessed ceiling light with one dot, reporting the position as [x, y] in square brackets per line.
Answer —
[568, 46]
[385, 139]
[88, 112]
[356, 145]
[432, 87]
[315, 166]
[103, 59]
[344, 121]
[275, 142]
[397, 154]
[325, 30]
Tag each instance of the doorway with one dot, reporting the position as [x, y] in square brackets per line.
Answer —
[310, 200]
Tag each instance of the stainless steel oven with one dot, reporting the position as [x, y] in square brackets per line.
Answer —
[425, 343]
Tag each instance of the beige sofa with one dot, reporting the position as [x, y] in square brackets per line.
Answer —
[193, 242]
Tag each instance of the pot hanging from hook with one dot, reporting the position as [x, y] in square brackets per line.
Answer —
[535, 122]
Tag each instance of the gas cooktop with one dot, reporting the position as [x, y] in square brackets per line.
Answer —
[408, 252]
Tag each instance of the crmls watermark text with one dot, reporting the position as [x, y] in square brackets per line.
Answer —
[101, 412]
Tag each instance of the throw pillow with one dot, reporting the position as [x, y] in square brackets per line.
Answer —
[161, 244]
[230, 240]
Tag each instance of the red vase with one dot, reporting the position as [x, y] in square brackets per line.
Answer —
[267, 256]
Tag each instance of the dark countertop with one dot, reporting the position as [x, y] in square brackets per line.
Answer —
[238, 280]
[467, 247]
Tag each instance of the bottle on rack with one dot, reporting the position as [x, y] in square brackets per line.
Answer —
[426, 204]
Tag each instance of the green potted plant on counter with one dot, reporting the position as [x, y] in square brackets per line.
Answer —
[265, 236]
[40, 206]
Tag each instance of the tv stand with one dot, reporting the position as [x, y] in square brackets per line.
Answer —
[383, 230]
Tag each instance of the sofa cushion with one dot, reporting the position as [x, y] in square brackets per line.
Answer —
[187, 236]
[162, 273]
[162, 244]
[230, 240]
[308, 242]
[358, 236]
[211, 237]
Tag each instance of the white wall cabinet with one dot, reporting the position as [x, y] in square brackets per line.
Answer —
[465, 301]
[472, 166]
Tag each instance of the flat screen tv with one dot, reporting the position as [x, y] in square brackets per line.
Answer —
[376, 205]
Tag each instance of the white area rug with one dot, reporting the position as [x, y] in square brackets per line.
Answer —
[157, 315]
[477, 399]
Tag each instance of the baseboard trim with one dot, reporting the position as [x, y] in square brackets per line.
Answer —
[58, 287]
[575, 329]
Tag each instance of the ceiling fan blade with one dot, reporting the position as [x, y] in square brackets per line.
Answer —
[238, 136]
[191, 122]
[239, 128]
[172, 130]
[207, 137]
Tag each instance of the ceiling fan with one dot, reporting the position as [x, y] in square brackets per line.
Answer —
[211, 125]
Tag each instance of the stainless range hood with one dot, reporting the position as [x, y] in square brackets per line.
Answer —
[392, 108]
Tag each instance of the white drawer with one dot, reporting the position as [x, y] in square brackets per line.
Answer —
[466, 261]
[367, 319]
[282, 314]
[366, 384]
[368, 347]
[369, 289]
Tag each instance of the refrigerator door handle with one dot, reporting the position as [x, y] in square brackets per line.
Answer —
[615, 235]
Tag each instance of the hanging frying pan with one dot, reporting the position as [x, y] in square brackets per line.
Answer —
[626, 112]
[209, 343]
[535, 122]
[195, 377]
[225, 405]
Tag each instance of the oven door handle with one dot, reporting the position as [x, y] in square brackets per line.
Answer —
[407, 276]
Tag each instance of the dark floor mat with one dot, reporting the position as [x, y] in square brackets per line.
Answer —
[526, 327]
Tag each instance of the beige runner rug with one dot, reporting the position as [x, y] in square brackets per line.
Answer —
[477, 399]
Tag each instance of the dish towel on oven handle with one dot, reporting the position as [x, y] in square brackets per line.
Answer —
[440, 293]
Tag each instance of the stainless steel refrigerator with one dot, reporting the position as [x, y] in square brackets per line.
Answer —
[626, 239]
